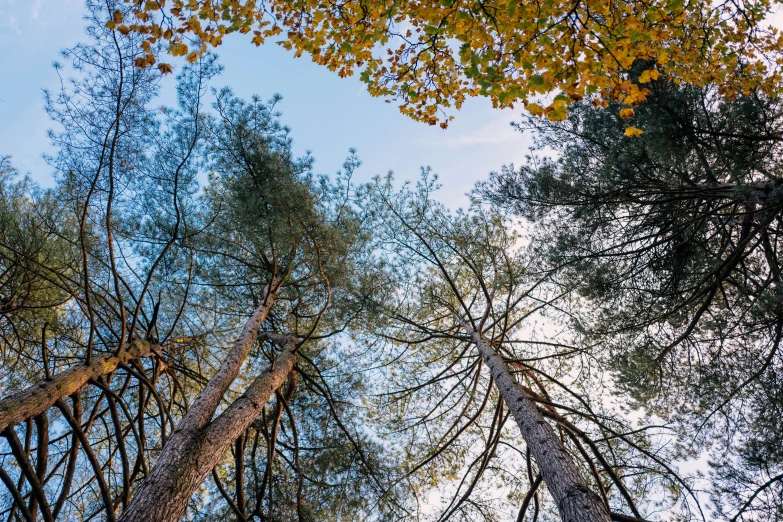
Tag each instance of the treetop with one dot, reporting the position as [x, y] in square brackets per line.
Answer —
[432, 56]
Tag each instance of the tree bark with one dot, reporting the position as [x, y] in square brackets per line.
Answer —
[575, 501]
[191, 454]
[199, 442]
[36, 399]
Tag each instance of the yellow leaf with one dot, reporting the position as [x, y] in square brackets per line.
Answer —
[535, 109]
[636, 96]
[648, 76]
[178, 49]
[633, 132]
[610, 38]
[626, 113]
[165, 68]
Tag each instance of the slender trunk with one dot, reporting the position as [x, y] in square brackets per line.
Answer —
[36, 399]
[42, 456]
[191, 454]
[70, 470]
[203, 408]
[239, 476]
[199, 442]
[575, 501]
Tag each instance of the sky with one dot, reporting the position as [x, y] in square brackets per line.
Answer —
[327, 114]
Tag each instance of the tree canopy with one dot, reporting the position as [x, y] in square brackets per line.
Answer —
[465, 319]
[673, 243]
[431, 56]
[195, 324]
[169, 230]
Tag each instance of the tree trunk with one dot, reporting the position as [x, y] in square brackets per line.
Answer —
[203, 408]
[199, 442]
[574, 499]
[36, 399]
[191, 454]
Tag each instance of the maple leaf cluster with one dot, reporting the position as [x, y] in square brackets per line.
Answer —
[432, 55]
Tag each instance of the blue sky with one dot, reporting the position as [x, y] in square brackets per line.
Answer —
[327, 114]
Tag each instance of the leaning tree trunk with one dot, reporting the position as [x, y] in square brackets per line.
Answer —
[199, 442]
[190, 455]
[575, 501]
[36, 399]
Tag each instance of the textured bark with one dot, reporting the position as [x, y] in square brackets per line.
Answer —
[575, 501]
[199, 442]
[191, 454]
[36, 399]
[203, 408]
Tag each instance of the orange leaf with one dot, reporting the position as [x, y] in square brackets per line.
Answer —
[633, 132]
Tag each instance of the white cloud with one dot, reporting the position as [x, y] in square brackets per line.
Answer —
[35, 9]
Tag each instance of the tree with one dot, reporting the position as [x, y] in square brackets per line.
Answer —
[460, 296]
[101, 346]
[36, 263]
[279, 231]
[433, 55]
[674, 242]
[126, 283]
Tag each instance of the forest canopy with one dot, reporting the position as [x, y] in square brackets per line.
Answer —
[431, 56]
[197, 325]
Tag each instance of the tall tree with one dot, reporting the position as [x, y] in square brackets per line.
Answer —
[125, 284]
[460, 306]
[674, 241]
[286, 247]
[111, 313]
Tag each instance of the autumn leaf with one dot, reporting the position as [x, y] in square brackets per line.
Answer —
[633, 132]
[535, 109]
[178, 49]
[501, 54]
[627, 113]
[649, 75]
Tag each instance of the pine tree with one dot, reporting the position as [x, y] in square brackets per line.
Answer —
[673, 239]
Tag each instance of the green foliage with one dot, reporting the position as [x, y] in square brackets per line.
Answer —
[37, 267]
[267, 217]
[673, 242]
